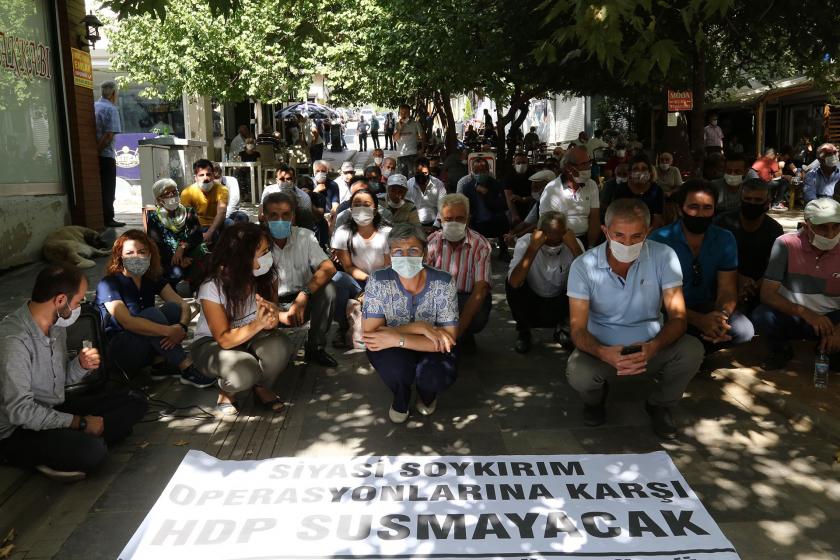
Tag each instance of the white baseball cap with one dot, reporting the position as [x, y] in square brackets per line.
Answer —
[347, 166]
[544, 175]
[823, 211]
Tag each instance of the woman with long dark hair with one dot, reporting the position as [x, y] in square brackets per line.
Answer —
[361, 246]
[138, 331]
[236, 339]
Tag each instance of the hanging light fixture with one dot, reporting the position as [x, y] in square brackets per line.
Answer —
[92, 25]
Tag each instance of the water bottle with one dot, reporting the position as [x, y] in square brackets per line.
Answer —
[821, 370]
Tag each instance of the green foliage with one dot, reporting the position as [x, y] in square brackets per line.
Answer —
[468, 110]
[265, 50]
[157, 8]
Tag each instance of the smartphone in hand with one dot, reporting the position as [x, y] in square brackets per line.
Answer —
[627, 350]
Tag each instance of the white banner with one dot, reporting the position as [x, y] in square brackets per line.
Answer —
[616, 507]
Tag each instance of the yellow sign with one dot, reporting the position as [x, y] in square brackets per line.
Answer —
[82, 68]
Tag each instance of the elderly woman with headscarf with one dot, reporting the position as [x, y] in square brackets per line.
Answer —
[410, 315]
[176, 231]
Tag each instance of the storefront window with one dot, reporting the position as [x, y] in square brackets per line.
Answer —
[30, 135]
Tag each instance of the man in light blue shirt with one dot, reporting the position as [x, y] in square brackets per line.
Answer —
[822, 180]
[107, 126]
[616, 293]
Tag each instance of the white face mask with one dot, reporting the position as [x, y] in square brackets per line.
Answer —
[714, 122]
[387, 172]
[249, 146]
[664, 166]
[137, 266]
[621, 179]
[395, 205]
[583, 176]
[378, 160]
[407, 267]
[454, 231]
[362, 215]
[825, 243]
[521, 168]
[553, 251]
[620, 153]
[171, 203]
[321, 177]
[266, 262]
[640, 177]
[70, 319]
[626, 253]
[732, 180]
[206, 187]
[832, 160]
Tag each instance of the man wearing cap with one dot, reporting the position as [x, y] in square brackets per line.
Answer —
[345, 180]
[395, 209]
[576, 195]
[822, 180]
[465, 254]
[800, 294]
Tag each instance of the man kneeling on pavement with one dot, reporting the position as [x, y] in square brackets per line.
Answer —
[617, 291]
[37, 428]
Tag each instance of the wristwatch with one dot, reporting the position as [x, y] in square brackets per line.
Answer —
[82, 424]
[402, 341]
[306, 291]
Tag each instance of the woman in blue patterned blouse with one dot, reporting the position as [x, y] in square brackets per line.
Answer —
[410, 316]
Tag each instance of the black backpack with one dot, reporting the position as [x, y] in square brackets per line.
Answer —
[88, 327]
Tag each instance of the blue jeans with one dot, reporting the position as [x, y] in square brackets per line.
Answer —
[399, 368]
[777, 328]
[742, 330]
[479, 320]
[133, 352]
[346, 287]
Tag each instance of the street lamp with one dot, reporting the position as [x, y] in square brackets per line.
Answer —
[92, 25]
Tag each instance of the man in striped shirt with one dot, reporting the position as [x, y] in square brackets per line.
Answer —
[800, 294]
[464, 254]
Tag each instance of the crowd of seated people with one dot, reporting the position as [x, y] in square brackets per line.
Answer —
[638, 269]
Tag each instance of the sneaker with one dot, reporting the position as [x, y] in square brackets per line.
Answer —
[319, 356]
[779, 206]
[778, 358]
[562, 338]
[663, 422]
[191, 376]
[61, 476]
[424, 409]
[397, 417]
[523, 342]
[114, 223]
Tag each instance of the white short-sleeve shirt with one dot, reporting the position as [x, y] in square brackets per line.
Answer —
[212, 291]
[297, 260]
[426, 202]
[549, 272]
[368, 254]
[576, 204]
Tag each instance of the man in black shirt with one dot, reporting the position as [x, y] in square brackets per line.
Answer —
[518, 189]
[755, 233]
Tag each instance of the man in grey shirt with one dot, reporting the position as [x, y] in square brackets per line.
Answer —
[37, 428]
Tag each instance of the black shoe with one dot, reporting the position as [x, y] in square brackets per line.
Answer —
[319, 356]
[523, 342]
[162, 370]
[663, 422]
[114, 223]
[467, 344]
[778, 358]
[596, 414]
[563, 339]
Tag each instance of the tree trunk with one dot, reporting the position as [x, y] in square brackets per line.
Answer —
[450, 137]
[698, 88]
[501, 148]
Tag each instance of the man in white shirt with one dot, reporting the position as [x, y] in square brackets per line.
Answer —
[238, 143]
[576, 195]
[536, 283]
[345, 180]
[425, 191]
[233, 215]
[304, 272]
[713, 136]
[408, 135]
[287, 183]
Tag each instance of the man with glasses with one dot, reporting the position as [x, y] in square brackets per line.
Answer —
[576, 195]
[708, 257]
[617, 292]
[63, 441]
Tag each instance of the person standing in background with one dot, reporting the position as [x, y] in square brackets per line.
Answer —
[107, 126]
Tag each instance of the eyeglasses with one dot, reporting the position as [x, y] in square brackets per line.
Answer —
[696, 273]
[411, 252]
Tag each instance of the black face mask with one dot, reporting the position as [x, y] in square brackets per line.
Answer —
[752, 211]
[421, 178]
[697, 224]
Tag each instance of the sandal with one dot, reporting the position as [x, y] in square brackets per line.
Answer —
[274, 405]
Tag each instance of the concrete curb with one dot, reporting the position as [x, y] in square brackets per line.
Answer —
[784, 404]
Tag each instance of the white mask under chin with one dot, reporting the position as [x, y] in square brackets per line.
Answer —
[825, 243]
[67, 321]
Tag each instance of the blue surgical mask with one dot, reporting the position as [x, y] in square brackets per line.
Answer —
[480, 177]
[407, 267]
[280, 229]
